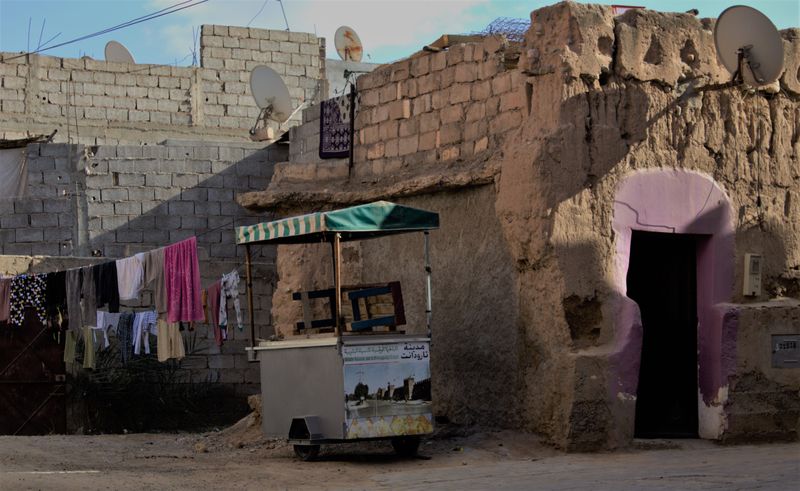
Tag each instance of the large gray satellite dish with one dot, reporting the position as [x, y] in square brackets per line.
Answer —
[749, 46]
[118, 53]
[348, 44]
[270, 93]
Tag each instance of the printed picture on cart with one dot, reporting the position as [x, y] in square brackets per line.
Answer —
[388, 386]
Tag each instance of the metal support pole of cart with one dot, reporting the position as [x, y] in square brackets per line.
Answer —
[337, 282]
[248, 268]
[428, 303]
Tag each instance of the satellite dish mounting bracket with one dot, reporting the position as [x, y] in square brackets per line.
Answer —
[743, 57]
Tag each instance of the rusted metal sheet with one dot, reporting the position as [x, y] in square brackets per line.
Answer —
[32, 379]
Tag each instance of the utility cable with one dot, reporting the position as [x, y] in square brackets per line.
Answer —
[160, 13]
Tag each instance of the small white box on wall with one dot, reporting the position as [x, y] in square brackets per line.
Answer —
[752, 275]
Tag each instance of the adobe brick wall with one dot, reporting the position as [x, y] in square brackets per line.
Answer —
[437, 107]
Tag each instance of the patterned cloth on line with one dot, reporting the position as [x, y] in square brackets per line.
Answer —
[334, 129]
[27, 291]
[229, 288]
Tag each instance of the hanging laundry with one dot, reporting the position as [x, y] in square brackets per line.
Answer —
[106, 285]
[125, 336]
[69, 346]
[5, 298]
[170, 341]
[213, 311]
[229, 288]
[204, 301]
[56, 295]
[73, 289]
[130, 274]
[88, 296]
[107, 322]
[27, 291]
[88, 348]
[182, 277]
[154, 278]
[144, 324]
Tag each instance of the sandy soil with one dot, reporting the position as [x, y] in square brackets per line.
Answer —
[235, 458]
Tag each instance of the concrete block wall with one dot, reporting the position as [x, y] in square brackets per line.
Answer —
[127, 199]
[98, 102]
[42, 223]
[437, 107]
[228, 54]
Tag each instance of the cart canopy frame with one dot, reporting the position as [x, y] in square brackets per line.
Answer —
[361, 222]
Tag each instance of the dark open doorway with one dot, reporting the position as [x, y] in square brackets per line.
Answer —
[662, 279]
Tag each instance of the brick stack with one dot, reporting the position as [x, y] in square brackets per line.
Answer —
[436, 107]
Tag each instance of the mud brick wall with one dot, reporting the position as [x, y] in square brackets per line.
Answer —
[437, 107]
[98, 102]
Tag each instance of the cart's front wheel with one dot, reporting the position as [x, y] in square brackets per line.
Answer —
[307, 452]
[406, 446]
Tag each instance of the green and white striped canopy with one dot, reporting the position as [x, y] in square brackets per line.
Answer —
[355, 223]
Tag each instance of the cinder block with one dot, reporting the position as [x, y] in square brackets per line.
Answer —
[181, 208]
[144, 222]
[184, 180]
[194, 194]
[29, 235]
[27, 206]
[114, 222]
[129, 152]
[159, 180]
[114, 194]
[128, 236]
[168, 222]
[128, 208]
[46, 249]
[43, 220]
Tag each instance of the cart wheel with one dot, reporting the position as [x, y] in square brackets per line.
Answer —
[406, 446]
[307, 452]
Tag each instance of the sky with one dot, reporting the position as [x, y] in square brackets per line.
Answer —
[389, 29]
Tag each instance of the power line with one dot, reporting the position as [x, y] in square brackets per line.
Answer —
[159, 13]
[258, 13]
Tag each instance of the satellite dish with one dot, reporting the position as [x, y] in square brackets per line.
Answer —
[118, 53]
[749, 46]
[270, 93]
[348, 44]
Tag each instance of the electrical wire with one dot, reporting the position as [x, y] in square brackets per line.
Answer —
[159, 13]
[258, 13]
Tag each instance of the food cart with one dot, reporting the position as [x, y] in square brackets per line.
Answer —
[365, 379]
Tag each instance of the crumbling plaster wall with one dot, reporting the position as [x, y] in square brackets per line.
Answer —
[594, 99]
[609, 98]
[98, 102]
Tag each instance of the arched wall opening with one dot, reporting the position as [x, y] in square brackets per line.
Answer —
[674, 201]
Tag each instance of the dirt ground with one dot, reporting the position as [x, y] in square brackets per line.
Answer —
[239, 458]
[231, 459]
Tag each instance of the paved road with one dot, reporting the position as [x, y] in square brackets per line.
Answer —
[707, 466]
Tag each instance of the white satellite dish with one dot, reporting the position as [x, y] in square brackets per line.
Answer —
[348, 44]
[270, 93]
[749, 46]
[118, 53]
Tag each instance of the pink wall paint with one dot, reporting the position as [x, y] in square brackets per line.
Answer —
[683, 202]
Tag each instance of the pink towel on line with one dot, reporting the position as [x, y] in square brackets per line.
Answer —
[182, 279]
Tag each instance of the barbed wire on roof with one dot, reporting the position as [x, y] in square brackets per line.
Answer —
[513, 29]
